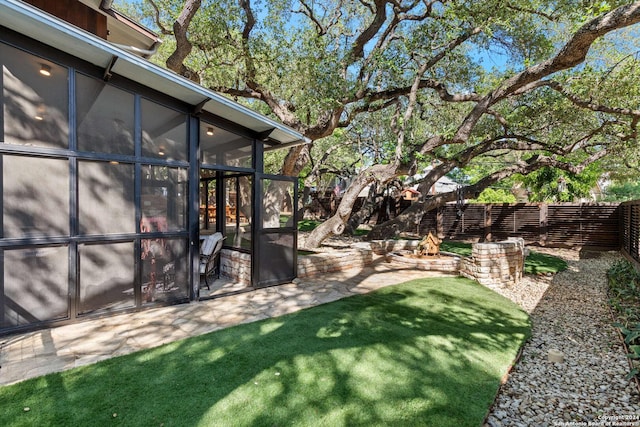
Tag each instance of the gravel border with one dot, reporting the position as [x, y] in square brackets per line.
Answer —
[569, 312]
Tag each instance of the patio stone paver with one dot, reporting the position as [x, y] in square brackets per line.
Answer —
[32, 354]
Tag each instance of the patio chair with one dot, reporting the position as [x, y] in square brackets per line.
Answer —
[209, 255]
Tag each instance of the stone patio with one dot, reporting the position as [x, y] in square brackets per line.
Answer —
[41, 352]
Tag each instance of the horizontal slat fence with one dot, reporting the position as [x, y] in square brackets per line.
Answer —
[596, 226]
[630, 234]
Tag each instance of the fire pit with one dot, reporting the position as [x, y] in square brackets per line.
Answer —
[426, 255]
[491, 263]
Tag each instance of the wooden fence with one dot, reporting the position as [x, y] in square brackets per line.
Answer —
[595, 226]
[630, 234]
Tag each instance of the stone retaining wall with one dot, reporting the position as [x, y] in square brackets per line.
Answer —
[318, 263]
[236, 266]
[499, 263]
[445, 264]
[383, 247]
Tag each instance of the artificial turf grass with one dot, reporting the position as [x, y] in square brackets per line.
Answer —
[458, 248]
[426, 352]
[537, 263]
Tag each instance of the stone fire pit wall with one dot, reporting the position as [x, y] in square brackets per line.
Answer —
[497, 263]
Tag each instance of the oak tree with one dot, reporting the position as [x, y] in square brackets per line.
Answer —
[415, 67]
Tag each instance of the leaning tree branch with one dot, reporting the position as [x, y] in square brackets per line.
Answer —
[308, 12]
[588, 104]
[314, 174]
[452, 45]
[380, 16]
[157, 20]
[250, 22]
[574, 51]
[414, 213]
[547, 16]
[366, 108]
[511, 142]
[176, 60]
[440, 89]
[257, 91]
[570, 55]
[580, 143]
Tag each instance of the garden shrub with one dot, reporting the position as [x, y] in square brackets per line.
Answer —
[624, 299]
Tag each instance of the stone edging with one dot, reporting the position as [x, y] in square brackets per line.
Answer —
[498, 263]
[495, 263]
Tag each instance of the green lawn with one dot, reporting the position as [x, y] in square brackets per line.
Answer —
[308, 224]
[428, 352]
[458, 248]
[537, 263]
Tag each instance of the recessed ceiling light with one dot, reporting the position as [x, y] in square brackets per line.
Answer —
[45, 70]
[40, 112]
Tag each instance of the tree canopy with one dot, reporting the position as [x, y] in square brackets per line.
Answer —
[514, 86]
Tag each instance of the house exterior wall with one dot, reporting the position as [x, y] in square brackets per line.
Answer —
[76, 13]
[100, 176]
[99, 190]
[94, 196]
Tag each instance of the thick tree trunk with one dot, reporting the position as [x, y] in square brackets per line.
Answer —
[409, 219]
[336, 224]
[295, 160]
[366, 211]
[175, 62]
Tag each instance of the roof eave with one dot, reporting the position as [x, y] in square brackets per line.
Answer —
[61, 35]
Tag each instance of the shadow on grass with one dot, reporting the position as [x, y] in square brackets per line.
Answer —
[427, 352]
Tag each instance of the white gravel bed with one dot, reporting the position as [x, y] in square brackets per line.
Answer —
[569, 313]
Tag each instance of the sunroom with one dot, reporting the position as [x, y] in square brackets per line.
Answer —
[114, 169]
